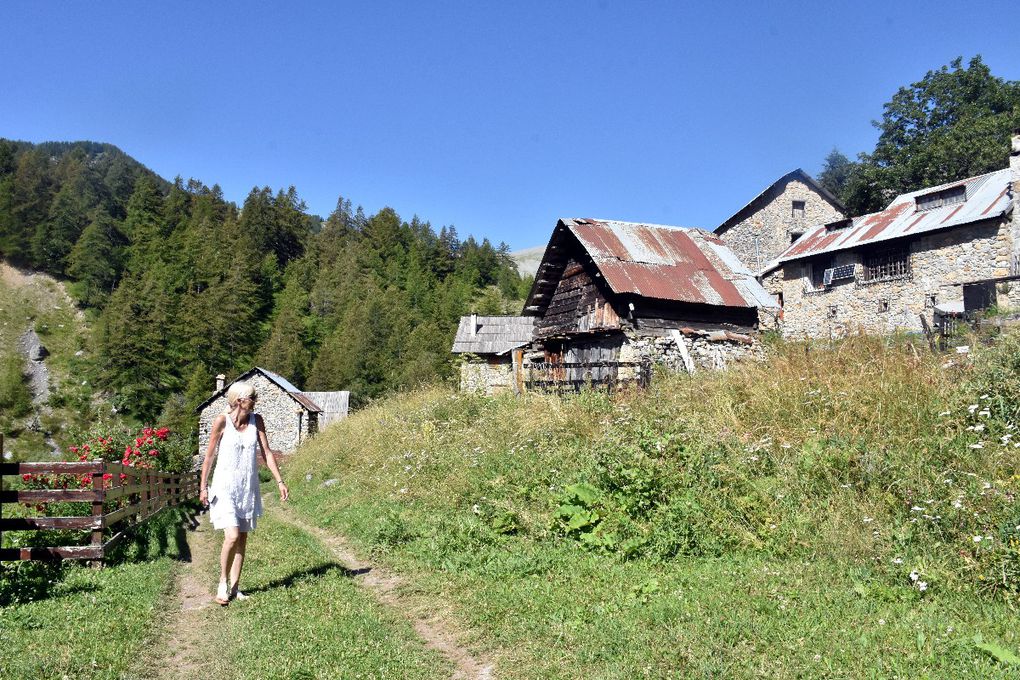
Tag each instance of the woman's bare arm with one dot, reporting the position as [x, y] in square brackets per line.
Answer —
[210, 454]
[270, 459]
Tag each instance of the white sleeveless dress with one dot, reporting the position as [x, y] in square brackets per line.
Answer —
[234, 499]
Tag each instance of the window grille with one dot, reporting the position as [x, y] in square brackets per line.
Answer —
[798, 210]
[886, 266]
[941, 198]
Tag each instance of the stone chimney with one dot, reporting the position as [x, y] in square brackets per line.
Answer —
[220, 381]
[474, 324]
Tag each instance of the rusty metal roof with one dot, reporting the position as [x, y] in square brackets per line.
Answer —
[662, 262]
[987, 197]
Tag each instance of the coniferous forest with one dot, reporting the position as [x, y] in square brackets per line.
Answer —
[181, 284]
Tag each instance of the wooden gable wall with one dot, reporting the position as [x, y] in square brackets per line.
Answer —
[577, 305]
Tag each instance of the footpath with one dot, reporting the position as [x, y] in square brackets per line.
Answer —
[316, 609]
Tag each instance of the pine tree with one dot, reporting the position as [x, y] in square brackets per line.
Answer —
[95, 261]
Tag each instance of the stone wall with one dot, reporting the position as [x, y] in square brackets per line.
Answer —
[287, 423]
[767, 232]
[487, 377]
[938, 264]
[706, 352]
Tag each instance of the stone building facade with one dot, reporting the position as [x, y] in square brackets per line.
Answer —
[290, 415]
[903, 268]
[489, 350]
[776, 217]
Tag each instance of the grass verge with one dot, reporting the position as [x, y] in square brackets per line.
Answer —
[843, 510]
[307, 618]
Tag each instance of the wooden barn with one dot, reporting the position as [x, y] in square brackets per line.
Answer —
[610, 291]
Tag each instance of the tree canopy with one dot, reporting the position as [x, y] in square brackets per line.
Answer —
[182, 284]
[953, 123]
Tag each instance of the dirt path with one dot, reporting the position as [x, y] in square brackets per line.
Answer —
[434, 627]
[188, 647]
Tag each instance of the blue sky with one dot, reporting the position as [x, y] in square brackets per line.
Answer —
[497, 118]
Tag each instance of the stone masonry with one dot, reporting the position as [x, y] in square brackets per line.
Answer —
[939, 263]
[766, 232]
[486, 377]
[287, 423]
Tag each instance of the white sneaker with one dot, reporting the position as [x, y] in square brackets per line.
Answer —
[236, 594]
[222, 594]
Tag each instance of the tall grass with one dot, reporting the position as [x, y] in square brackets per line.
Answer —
[863, 449]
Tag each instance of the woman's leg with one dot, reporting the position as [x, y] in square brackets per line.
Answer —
[230, 541]
[238, 562]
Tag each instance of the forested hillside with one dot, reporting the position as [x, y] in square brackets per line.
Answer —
[182, 284]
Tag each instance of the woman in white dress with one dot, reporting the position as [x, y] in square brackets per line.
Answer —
[233, 498]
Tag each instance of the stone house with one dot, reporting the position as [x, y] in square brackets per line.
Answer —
[611, 291]
[777, 217]
[491, 351]
[931, 253]
[291, 416]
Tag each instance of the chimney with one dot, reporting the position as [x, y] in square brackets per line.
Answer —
[474, 324]
[1014, 165]
[1014, 191]
[220, 380]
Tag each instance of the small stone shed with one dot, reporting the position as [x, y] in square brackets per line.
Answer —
[491, 351]
[935, 252]
[609, 291]
[291, 416]
[777, 217]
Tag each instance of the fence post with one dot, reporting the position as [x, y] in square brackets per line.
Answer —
[97, 515]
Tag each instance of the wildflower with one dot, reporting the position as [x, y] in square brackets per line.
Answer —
[869, 520]
[957, 504]
[945, 413]
[986, 485]
[403, 490]
[922, 586]
[897, 560]
[978, 445]
[153, 452]
[984, 396]
[881, 622]
[916, 508]
[977, 539]
[984, 413]
[972, 408]
[914, 576]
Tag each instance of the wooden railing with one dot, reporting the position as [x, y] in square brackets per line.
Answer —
[574, 376]
[120, 496]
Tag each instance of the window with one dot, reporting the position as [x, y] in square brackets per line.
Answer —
[818, 268]
[886, 266]
[798, 210]
[832, 311]
[929, 301]
[938, 199]
[883, 305]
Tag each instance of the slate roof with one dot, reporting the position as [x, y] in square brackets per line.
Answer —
[987, 197]
[771, 191]
[493, 334]
[651, 260]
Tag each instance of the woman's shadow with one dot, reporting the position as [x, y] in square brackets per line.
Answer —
[309, 572]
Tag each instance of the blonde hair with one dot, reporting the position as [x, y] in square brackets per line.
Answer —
[239, 390]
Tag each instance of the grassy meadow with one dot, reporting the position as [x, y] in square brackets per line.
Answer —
[843, 510]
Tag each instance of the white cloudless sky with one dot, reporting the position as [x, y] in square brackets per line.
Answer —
[496, 118]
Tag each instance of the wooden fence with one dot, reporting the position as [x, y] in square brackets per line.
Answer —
[570, 376]
[120, 496]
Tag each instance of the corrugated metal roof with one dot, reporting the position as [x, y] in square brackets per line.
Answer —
[668, 263]
[493, 334]
[278, 379]
[334, 405]
[987, 198]
[305, 401]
